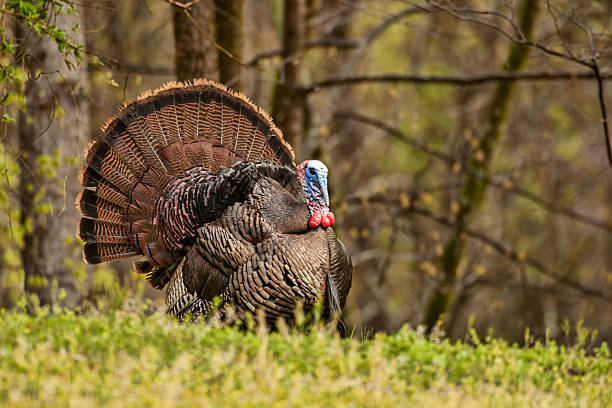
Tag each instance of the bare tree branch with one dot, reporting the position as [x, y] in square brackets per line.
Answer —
[553, 289]
[602, 106]
[186, 8]
[519, 38]
[456, 79]
[131, 68]
[492, 243]
[321, 43]
[500, 183]
[355, 56]
[460, 80]
[514, 255]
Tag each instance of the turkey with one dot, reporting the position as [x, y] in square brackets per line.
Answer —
[198, 180]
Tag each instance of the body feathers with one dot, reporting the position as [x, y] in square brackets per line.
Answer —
[199, 180]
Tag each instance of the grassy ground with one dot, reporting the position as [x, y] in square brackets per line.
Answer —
[126, 359]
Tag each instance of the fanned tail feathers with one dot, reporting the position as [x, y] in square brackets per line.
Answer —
[152, 139]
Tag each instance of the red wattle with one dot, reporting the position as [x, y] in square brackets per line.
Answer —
[315, 220]
[332, 218]
[325, 221]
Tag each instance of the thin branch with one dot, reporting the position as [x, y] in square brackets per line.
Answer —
[457, 79]
[321, 43]
[502, 184]
[118, 65]
[132, 68]
[492, 243]
[356, 55]
[521, 40]
[570, 17]
[514, 255]
[186, 7]
[549, 7]
[589, 62]
[504, 284]
[507, 185]
[379, 29]
[602, 106]
[436, 8]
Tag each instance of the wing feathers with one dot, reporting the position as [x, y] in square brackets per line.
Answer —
[153, 139]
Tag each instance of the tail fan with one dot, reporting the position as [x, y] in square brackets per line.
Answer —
[152, 139]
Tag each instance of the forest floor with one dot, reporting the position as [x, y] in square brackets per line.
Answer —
[128, 359]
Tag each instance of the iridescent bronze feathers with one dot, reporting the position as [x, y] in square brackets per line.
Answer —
[160, 135]
[200, 181]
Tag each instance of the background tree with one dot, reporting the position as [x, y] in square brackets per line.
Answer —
[229, 24]
[402, 101]
[194, 40]
[473, 190]
[288, 104]
[53, 127]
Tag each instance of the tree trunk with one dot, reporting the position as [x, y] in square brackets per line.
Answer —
[53, 128]
[194, 39]
[345, 136]
[473, 190]
[115, 31]
[288, 106]
[228, 20]
[4, 289]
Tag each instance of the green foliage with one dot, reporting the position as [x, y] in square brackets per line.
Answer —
[129, 359]
[11, 231]
[37, 17]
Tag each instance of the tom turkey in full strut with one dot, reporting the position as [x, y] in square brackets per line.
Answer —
[199, 180]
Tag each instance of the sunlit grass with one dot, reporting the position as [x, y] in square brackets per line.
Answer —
[123, 358]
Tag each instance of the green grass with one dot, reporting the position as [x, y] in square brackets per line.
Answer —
[126, 359]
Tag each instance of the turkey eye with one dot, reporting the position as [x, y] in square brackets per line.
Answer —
[312, 171]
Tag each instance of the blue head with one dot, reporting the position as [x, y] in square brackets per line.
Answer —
[313, 177]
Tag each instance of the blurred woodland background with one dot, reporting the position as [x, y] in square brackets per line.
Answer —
[469, 164]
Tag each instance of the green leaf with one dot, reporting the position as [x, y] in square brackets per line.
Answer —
[6, 118]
